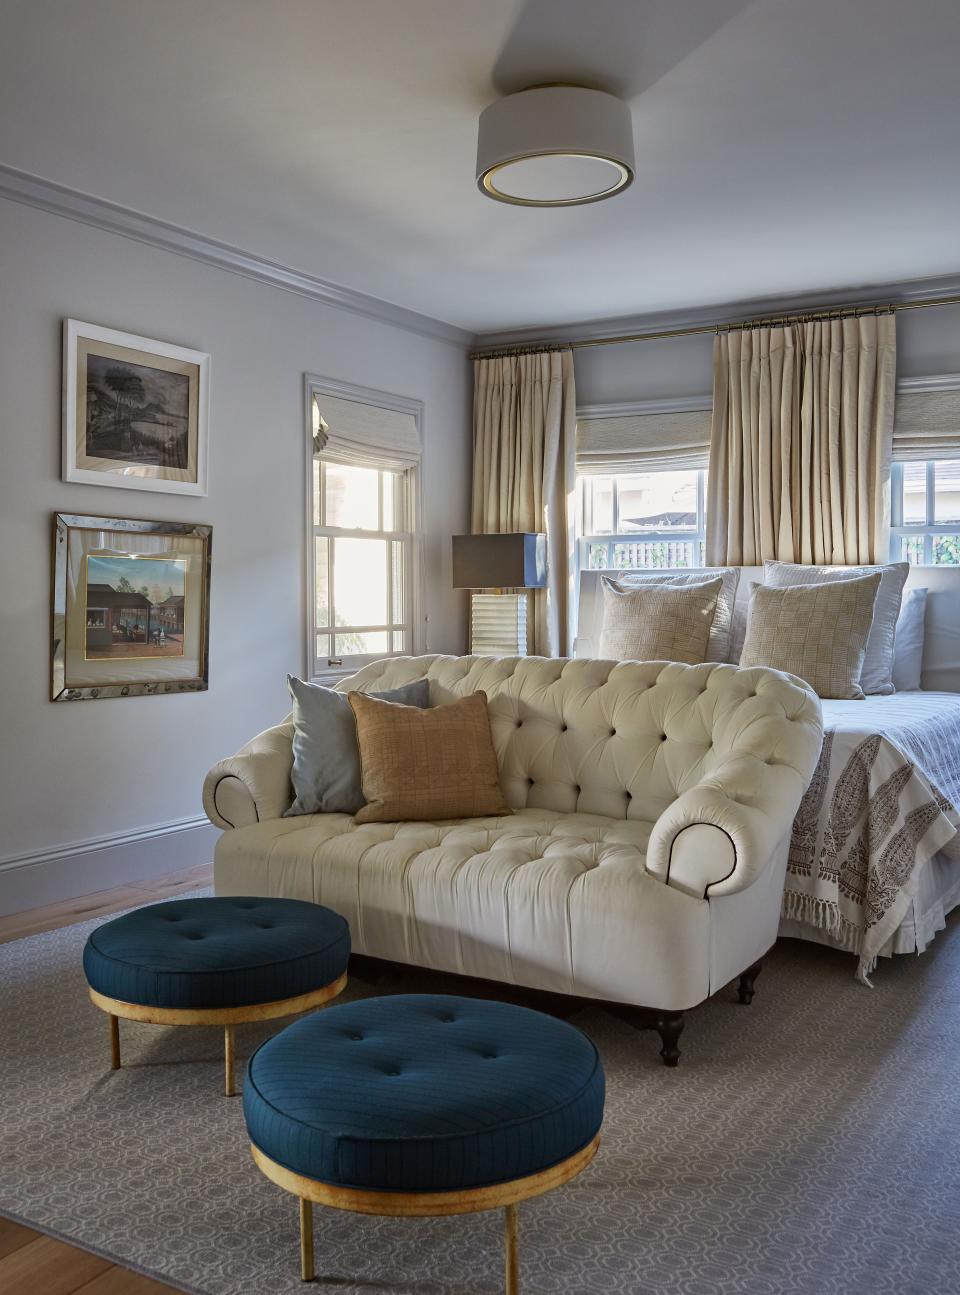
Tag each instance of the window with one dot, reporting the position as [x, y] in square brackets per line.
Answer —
[644, 519]
[363, 454]
[925, 512]
[362, 558]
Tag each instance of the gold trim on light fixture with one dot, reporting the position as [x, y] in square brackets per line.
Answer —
[484, 182]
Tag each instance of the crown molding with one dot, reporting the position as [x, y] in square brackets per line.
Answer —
[34, 191]
[594, 330]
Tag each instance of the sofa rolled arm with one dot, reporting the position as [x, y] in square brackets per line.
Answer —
[254, 784]
[718, 836]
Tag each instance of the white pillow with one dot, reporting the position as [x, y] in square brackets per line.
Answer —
[718, 644]
[876, 676]
[908, 648]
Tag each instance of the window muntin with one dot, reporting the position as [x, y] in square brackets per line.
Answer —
[362, 559]
[642, 520]
[925, 512]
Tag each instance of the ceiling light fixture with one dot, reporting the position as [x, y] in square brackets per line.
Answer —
[555, 146]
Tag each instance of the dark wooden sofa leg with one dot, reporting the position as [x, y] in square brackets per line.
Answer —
[669, 1027]
[745, 987]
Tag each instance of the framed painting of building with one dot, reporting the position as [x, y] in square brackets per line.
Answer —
[131, 607]
[135, 411]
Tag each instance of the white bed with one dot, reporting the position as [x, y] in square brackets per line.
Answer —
[875, 856]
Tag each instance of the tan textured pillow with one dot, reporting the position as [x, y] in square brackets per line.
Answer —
[818, 632]
[426, 764]
[657, 622]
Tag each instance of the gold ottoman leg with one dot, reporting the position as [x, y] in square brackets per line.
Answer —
[511, 1259]
[114, 1041]
[228, 1060]
[306, 1240]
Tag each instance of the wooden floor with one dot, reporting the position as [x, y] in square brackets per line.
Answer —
[34, 920]
[31, 1263]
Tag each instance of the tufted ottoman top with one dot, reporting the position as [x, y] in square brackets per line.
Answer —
[423, 1093]
[217, 952]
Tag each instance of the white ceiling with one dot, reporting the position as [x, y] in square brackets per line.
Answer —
[783, 146]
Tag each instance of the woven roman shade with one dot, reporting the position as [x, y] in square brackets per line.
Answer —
[352, 431]
[926, 425]
[643, 442]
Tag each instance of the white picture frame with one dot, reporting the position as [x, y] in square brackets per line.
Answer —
[136, 411]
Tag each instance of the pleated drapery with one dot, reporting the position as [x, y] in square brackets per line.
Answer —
[524, 435]
[801, 442]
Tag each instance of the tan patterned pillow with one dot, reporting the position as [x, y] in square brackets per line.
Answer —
[426, 764]
[657, 622]
[818, 632]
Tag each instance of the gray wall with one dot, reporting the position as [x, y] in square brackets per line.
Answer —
[928, 342]
[74, 773]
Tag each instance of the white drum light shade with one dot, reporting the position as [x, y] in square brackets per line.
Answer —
[555, 146]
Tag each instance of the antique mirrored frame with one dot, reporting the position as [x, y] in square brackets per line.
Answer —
[143, 628]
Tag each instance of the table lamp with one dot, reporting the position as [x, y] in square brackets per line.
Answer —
[504, 567]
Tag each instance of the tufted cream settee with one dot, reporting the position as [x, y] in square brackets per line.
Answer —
[644, 861]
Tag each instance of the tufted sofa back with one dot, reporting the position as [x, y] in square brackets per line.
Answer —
[623, 739]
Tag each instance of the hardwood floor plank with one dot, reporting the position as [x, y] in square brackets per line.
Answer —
[13, 1236]
[120, 1281]
[33, 921]
[50, 1267]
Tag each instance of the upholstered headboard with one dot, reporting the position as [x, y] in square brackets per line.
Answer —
[941, 652]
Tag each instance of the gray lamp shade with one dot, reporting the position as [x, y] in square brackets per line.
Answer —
[517, 560]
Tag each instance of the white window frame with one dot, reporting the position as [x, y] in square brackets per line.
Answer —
[925, 530]
[328, 669]
[587, 540]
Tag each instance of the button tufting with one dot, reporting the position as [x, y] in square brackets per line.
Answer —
[356, 1037]
[613, 732]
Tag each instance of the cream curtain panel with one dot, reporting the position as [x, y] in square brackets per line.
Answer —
[800, 443]
[524, 435]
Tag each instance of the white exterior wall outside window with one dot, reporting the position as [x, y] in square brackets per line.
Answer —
[362, 527]
[925, 512]
[642, 520]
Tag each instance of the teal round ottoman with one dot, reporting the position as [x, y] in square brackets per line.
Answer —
[421, 1104]
[216, 961]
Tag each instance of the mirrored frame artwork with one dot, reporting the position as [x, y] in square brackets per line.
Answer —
[135, 411]
[131, 607]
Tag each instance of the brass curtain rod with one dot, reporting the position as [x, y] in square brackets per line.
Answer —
[838, 312]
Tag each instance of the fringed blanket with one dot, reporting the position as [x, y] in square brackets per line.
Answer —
[883, 800]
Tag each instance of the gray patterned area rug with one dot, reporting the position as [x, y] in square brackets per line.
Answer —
[807, 1145]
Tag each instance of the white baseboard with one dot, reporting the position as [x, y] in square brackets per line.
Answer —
[119, 858]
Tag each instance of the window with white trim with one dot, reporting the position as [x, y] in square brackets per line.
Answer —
[925, 512]
[362, 531]
[642, 520]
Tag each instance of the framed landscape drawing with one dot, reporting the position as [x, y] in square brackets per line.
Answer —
[135, 411]
[131, 606]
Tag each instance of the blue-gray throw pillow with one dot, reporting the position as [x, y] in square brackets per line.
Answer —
[326, 758]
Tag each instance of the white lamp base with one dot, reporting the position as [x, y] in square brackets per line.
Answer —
[498, 624]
